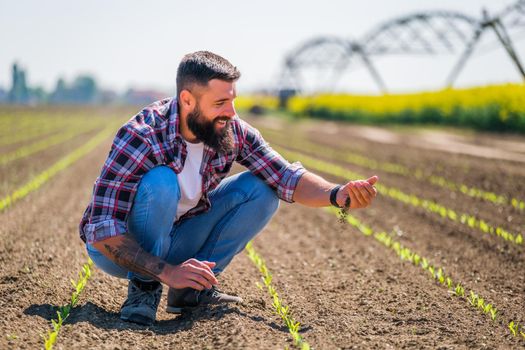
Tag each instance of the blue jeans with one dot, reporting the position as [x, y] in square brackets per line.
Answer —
[241, 206]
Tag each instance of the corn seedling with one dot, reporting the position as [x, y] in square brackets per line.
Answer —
[493, 313]
[473, 299]
[459, 290]
[487, 308]
[513, 326]
[281, 310]
[64, 311]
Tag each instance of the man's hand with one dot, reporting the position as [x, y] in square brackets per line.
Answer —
[361, 193]
[191, 273]
[126, 252]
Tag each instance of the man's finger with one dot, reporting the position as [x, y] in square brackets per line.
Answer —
[204, 273]
[371, 190]
[201, 264]
[372, 180]
[200, 280]
[192, 284]
[365, 195]
[358, 198]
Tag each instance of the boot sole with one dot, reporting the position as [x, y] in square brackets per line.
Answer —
[139, 319]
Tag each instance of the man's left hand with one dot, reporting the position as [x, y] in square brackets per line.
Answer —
[361, 193]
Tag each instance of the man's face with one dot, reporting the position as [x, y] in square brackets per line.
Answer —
[210, 119]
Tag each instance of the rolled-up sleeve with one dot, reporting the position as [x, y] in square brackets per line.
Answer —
[114, 190]
[264, 162]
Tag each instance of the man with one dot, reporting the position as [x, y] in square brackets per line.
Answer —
[160, 211]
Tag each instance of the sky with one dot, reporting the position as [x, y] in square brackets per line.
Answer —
[132, 43]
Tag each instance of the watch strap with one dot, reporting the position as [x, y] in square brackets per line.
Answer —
[333, 196]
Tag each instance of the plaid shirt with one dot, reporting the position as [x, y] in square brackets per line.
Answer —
[152, 138]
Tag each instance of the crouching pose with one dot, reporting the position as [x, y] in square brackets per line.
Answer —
[163, 210]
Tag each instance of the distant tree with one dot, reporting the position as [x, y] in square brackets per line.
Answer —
[84, 89]
[19, 92]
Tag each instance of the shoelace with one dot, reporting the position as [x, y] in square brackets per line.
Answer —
[140, 297]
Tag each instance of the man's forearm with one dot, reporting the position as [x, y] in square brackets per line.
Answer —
[126, 252]
[312, 190]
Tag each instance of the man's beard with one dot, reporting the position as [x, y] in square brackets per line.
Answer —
[221, 141]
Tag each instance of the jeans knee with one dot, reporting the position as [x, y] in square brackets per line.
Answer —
[265, 197]
[160, 184]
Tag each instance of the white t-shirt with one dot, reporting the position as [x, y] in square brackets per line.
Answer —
[190, 179]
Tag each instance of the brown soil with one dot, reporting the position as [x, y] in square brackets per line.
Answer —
[347, 290]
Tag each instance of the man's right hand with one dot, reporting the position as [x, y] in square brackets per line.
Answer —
[191, 273]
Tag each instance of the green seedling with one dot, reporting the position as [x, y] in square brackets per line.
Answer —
[514, 328]
[487, 308]
[493, 313]
[481, 303]
[449, 282]
[440, 277]
[416, 259]
[431, 270]
[473, 298]
[424, 263]
[459, 290]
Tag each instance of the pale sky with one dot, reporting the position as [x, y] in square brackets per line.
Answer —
[140, 43]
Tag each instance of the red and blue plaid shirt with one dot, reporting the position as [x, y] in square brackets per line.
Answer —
[151, 138]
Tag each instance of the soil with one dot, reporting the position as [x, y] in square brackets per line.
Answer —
[347, 290]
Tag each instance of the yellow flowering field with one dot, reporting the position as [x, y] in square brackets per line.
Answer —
[494, 108]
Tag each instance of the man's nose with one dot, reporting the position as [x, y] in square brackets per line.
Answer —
[230, 111]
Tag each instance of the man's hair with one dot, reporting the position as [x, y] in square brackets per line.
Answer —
[202, 66]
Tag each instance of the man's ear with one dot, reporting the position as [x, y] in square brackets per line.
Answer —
[187, 100]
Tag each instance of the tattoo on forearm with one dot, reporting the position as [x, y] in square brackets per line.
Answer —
[130, 255]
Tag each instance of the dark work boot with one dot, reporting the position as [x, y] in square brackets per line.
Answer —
[142, 302]
[188, 298]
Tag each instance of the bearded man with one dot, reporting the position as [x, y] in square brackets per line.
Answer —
[163, 210]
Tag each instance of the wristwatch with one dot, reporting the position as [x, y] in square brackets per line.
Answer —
[333, 198]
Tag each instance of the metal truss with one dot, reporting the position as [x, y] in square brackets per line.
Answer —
[429, 33]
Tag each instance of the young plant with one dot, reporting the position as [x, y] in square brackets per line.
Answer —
[459, 290]
[449, 283]
[473, 299]
[493, 313]
[514, 328]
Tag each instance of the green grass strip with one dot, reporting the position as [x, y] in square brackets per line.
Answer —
[409, 199]
[64, 311]
[41, 145]
[34, 131]
[395, 168]
[280, 309]
[435, 272]
[60, 165]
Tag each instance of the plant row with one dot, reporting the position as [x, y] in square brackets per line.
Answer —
[398, 169]
[409, 199]
[435, 272]
[44, 144]
[279, 308]
[64, 311]
[45, 128]
[35, 183]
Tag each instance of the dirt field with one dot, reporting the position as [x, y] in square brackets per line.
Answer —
[347, 290]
